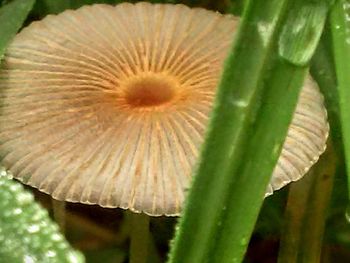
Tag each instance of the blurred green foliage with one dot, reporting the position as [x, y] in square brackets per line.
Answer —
[27, 234]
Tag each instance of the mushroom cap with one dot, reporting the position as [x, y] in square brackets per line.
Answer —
[108, 105]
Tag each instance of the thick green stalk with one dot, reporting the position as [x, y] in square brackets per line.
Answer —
[242, 146]
[253, 175]
[323, 71]
[297, 42]
[340, 27]
[233, 110]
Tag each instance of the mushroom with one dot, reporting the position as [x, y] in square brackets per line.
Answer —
[108, 105]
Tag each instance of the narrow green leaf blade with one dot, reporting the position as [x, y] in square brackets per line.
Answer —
[239, 156]
[232, 113]
[340, 27]
[323, 71]
[261, 151]
[254, 172]
[12, 17]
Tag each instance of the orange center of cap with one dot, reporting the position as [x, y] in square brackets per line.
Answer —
[148, 91]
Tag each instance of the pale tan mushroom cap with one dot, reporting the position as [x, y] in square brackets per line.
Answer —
[108, 105]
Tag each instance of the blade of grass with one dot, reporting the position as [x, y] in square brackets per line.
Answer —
[253, 175]
[340, 28]
[12, 17]
[306, 213]
[323, 71]
[296, 44]
[218, 176]
[232, 113]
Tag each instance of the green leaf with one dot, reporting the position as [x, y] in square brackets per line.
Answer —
[340, 28]
[27, 234]
[300, 36]
[323, 71]
[241, 150]
[12, 17]
[231, 116]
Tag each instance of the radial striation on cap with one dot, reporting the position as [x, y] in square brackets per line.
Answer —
[108, 105]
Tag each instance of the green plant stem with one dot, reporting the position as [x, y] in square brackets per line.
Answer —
[323, 71]
[243, 144]
[340, 27]
[139, 237]
[233, 112]
[239, 222]
[306, 213]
